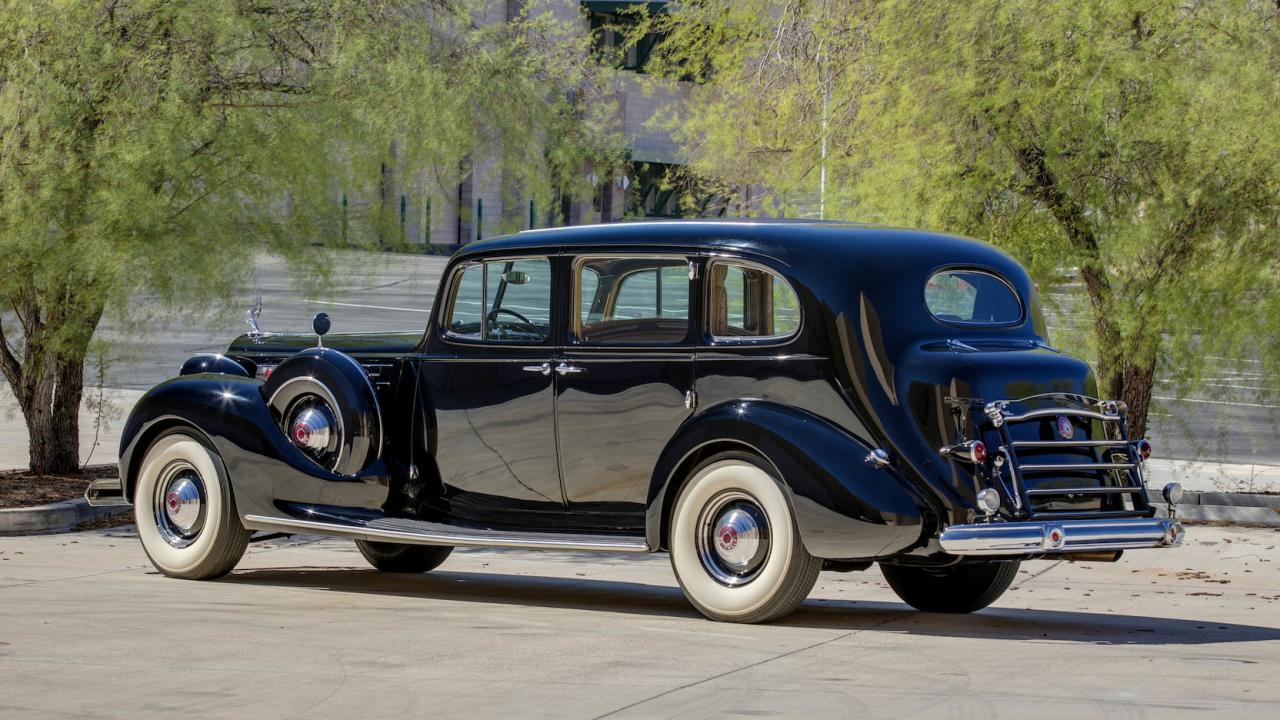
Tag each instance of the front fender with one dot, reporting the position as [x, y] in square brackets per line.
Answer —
[844, 508]
[262, 465]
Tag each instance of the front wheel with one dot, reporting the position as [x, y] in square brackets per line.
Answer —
[961, 588]
[185, 512]
[734, 545]
[395, 558]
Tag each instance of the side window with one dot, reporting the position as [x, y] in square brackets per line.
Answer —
[587, 295]
[633, 300]
[748, 302]
[503, 301]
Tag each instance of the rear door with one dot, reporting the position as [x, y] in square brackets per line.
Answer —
[624, 379]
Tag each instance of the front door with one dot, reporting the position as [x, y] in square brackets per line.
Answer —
[625, 379]
[494, 392]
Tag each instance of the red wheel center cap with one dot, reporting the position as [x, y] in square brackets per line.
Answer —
[301, 433]
[728, 537]
[173, 502]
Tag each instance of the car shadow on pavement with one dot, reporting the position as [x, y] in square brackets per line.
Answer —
[999, 623]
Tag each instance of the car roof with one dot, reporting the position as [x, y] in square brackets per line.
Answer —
[786, 240]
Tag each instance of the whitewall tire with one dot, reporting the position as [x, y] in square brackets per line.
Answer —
[184, 509]
[734, 545]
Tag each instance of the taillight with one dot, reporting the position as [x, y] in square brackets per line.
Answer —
[1144, 450]
[973, 451]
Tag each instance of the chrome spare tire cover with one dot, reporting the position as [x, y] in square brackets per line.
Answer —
[325, 404]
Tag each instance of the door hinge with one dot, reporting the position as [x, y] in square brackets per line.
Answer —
[693, 270]
[691, 399]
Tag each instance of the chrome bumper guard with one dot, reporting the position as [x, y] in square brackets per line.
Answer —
[106, 492]
[1065, 536]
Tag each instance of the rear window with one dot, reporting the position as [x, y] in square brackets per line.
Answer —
[972, 296]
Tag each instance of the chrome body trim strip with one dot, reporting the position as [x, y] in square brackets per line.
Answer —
[419, 532]
[1036, 538]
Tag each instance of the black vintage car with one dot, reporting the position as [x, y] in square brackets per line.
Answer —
[762, 400]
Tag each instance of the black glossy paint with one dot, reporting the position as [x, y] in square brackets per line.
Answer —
[472, 436]
[211, 363]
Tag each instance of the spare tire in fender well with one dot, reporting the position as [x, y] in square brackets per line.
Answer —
[324, 377]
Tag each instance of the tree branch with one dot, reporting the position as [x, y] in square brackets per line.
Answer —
[9, 363]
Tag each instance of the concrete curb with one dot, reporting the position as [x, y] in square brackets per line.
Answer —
[1228, 508]
[54, 517]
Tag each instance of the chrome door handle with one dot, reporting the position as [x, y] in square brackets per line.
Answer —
[544, 368]
[564, 369]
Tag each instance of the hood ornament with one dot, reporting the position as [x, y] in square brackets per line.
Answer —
[251, 318]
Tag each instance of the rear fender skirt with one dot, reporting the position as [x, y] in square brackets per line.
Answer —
[844, 508]
[263, 466]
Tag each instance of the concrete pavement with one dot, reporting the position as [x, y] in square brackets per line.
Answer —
[303, 629]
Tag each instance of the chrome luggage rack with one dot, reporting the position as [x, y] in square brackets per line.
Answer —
[1121, 456]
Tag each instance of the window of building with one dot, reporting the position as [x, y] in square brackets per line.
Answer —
[748, 302]
[972, 297]
[633, 300]
[609, 39]
[503, 301]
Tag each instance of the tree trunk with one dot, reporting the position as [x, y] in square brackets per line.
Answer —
[53, 420]
[48, 382]
[1133, 383]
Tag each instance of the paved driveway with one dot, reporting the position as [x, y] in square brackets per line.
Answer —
[303, 629]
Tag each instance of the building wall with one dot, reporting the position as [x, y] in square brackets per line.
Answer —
[485, 203]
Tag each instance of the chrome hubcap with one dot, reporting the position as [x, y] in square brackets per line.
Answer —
[180, 504]
[733, 538]
[312, 428]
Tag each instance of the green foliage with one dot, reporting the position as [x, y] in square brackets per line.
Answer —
[1132, 146]
[156, 146]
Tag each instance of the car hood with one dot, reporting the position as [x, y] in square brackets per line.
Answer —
[273, 345]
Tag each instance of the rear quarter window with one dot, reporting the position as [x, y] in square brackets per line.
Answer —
[972, 297]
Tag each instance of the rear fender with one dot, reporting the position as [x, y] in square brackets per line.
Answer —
[844, 508]
[263, 466]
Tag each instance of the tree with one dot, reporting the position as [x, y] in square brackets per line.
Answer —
[1134, 146]
[153, 145]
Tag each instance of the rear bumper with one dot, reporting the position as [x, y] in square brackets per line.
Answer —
[1067, 536]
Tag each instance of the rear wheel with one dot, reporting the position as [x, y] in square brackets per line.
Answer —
[186, 515]
[734, 545]
[391, 557]
[961, 588]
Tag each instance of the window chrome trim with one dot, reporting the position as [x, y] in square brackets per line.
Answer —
[754, 340]
[1022, 305]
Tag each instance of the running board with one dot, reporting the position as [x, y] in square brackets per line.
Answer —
[421, 532]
